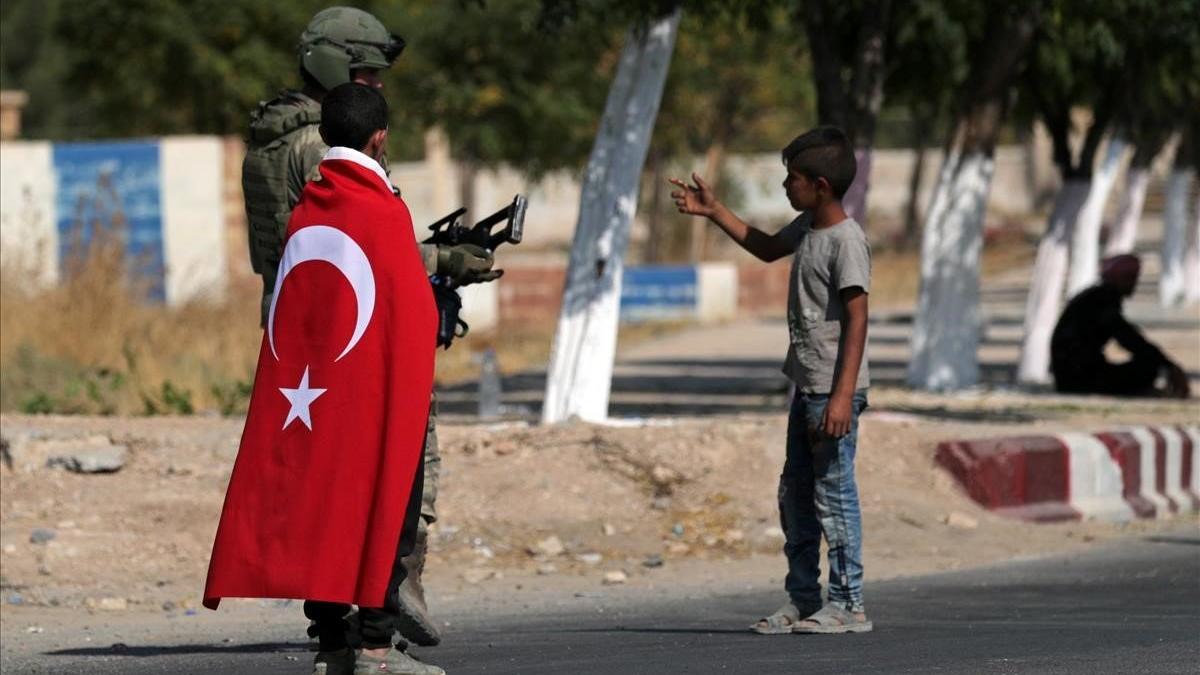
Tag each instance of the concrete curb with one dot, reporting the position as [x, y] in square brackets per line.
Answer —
[1135, 472]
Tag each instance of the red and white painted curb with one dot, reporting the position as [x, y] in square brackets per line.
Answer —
[1135, 472]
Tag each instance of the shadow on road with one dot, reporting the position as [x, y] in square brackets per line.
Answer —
[121, 649]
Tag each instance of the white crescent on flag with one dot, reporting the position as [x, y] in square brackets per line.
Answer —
[331, 245]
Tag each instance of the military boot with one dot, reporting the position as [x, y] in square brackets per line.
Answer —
[414, 622]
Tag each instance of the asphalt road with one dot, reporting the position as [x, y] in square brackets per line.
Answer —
[1128, 608]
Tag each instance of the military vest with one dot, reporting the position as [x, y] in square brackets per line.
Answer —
[283, 151]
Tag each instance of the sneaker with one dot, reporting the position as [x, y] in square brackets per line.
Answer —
[394, 661]
[338, 662]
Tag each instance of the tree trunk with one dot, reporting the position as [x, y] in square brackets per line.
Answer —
[1124, 232]
[946, 329]
[852, 104]
[1191, 262]
[467, 172]
[855, 199]
[1046, 286]
[712, 175]
[1056, 247]
[912, 211]
[579, 375]
[1085, 245]
[655, 237]
[1171, 285]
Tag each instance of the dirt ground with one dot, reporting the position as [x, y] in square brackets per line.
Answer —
[678, 501]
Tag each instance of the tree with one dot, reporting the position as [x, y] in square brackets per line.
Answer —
[1159, 88]
[579, 375]
[1077, 61]
[927, 67]
[1181, 248]
[149, 67]
[505, 89]
[847, 41]
[946, 330]
[33, 59]
[735, 84]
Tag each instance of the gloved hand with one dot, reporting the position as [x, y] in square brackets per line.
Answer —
[466, 264]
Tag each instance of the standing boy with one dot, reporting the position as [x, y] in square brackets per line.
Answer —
[827, 326]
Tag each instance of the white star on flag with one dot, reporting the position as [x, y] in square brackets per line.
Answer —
[301, 397]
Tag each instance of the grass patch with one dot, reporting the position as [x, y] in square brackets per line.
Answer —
[93, 345]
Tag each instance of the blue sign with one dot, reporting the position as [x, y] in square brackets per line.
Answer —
[112, 188]
[658, 292]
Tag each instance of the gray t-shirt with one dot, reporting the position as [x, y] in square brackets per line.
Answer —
[827, 261]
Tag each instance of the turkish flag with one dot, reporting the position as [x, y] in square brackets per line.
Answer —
[316, 502]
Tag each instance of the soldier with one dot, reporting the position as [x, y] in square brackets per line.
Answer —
[284, 149]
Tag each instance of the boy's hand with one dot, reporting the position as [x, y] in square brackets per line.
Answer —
[697, 200]
[836, 422]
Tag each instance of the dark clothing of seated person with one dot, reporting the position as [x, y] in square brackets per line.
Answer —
[1089, 322]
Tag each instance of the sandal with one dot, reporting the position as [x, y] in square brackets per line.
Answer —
[834, 619]
[780, 623]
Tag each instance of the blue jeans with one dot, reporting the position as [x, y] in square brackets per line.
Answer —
[818, 495]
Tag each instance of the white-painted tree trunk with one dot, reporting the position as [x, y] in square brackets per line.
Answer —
[1171, 284]
[947, 326]
[1085, 244]
[579, 375]
[1191, 263]
[1046, 286]
[855, 199]
[1124, 233]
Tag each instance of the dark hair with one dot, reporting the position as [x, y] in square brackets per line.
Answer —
[823, 152]
[350, 113]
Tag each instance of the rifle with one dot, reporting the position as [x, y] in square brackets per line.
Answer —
[449, 231]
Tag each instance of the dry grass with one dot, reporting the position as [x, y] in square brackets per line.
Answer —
[896, 274]
[92, 345]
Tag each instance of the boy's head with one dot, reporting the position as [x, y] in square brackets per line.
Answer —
[355, 116]
[821, 167]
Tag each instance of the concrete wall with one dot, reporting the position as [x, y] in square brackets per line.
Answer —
[164, 199]
[183, 202]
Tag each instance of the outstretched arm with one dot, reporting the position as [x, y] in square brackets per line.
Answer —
[699, 200]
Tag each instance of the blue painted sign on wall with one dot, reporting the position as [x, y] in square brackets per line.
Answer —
[658, 292]
[112, 187]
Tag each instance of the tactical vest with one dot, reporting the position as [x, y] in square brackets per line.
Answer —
[283, 132]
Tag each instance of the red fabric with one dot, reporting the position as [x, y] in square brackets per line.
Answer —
[317, 514]
[1121, 269]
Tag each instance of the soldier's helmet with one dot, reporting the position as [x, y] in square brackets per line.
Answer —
[339, 40]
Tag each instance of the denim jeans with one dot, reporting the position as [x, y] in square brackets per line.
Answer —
[818, 495]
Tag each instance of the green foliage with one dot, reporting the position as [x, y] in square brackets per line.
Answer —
[232, 397]
[169, 399]
[1160, 79]
[735, 83]
[163, 66]
[34, 58]
[35, 383]
[504, 88]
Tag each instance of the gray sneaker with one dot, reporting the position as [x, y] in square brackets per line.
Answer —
[395, 661]
[339, 662]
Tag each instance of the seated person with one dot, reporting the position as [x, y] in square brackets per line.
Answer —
[1090, 320]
